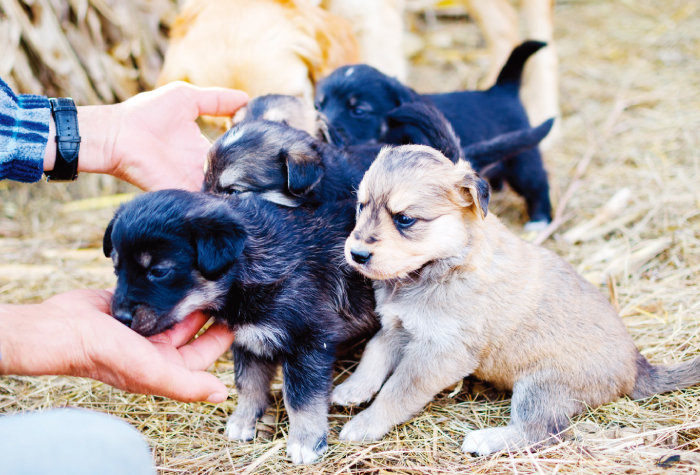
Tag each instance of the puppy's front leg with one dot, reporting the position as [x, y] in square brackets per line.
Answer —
[423, 371]
[307, 384]
[253, 376]
[378, 360]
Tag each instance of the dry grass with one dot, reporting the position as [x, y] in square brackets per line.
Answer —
[631, 103]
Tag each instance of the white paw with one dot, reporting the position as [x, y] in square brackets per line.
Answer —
[350, 393]
[363, 428]
[239, 429]
[488, 441]
[535, 226]
[300, 453]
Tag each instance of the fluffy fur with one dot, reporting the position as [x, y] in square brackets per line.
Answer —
[459, 294]
[288, 110]
[261, 47]
[356, 100]
[276, 276]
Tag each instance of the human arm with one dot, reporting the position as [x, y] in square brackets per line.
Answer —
[73, 334]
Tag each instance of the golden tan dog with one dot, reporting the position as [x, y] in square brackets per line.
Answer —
[261, 47]
[459, 294]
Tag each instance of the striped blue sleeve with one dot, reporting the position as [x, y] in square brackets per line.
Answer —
[24, 133]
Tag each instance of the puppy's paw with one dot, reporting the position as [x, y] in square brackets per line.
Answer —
[535, 226]
[352, 392]
[489, 441]
[364, 427]
[298, 452]
[240, 428]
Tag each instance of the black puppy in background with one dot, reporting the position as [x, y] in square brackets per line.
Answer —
[290, 166]
[276, 276]
[356, 100]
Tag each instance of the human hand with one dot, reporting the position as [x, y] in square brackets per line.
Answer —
[73, 334]
[152, 140]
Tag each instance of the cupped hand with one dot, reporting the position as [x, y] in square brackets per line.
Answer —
[73, 334]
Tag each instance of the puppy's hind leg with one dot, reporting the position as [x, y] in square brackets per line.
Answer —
[253, 376]
[307, 384]
[378, 360]
[539, 411]
[525, 173]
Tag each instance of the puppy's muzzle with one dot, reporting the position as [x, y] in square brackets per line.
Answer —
[123, 316]
[360, 256]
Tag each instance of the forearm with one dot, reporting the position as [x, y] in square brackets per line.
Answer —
[36, 341]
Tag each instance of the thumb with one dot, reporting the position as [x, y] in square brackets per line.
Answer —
[218, 100]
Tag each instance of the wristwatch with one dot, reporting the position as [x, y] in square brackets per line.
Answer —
[65, 116]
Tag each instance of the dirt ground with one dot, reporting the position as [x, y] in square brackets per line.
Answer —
[630, 97]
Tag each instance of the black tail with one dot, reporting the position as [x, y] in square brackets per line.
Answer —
[422, 123]
[512, 72]
[657, 379]
[501, 147]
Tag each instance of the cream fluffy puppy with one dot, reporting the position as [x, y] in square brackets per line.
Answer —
[459, 294]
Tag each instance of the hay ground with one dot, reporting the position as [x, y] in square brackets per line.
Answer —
[630, 94]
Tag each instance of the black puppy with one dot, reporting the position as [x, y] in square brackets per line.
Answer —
[276, 276]
[288, 166]
[356, 100]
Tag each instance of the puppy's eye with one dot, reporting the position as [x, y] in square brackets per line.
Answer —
[360, 207]
[159, 272]
[402, 221]
[234, 190]
[360, 110]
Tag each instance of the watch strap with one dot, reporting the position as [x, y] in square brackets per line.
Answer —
[65, 117]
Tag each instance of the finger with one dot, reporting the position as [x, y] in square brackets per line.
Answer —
[218, 100]
[202, 352]
[184, 385]
[183, 331]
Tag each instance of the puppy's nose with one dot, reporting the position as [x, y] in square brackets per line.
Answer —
[361, 257]
[124, 316]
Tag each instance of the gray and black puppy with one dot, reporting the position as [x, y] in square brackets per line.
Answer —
[276, 276]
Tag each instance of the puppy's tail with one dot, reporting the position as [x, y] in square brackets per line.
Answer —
[422, 123]
[512, 72]
[488, 152]
[657, 379]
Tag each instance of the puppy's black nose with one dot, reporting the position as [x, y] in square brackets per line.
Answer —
[124, 316]
[361, 257]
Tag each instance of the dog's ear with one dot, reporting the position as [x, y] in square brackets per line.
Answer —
[304, 167]
[219, 238]
[107, 239]
[400, 93]
[476, 193]
[422, 123]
